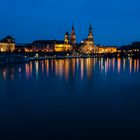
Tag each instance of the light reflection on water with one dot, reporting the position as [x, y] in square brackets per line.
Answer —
[69, 94]
[67, 68]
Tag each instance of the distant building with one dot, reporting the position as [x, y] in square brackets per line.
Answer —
[7, 44]
[88, 44]
[106, 49]
[63, 46]
[69, 44]
[134, 47]
[43, 45]
[21, 47]
[73, 38]
[52, 45]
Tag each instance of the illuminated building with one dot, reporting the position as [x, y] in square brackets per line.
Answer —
[43, 45]
[106, 49]
[132, 48]
[88, 44]
[20, 47]
[73, 38]
[52, 45]
[7, 44]
[63, 46]
[69, 44]
[66, 39]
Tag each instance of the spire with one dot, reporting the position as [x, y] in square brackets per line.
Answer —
[73, 36]
[73, 32]
[90, 29]
[90, 35]
[72, 27]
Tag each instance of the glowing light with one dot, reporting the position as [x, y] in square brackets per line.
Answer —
[106, 66]
[19, 69]
[37, 69]
[124, 64]
[101, 65]
[31, 67]
[73, 66]
[113, 64]
[59, 67]
[66, 69]
[82, 69]
[42, 67]
[47, 67]
[135, 65]
[4, 74]
[119, 65]
[27, 69]
[89, 68]
[62, 47]
[130, 65]
[138, 65]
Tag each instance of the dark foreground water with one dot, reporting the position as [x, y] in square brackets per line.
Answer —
[70, 100]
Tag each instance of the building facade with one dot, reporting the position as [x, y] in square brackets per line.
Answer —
[68, 44]
[7, 44]
[88, 44]
[63, 46]
[52, 45]
[106, 49]
[43, 45]
[21, 47]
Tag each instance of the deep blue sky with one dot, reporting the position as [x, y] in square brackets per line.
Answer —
[115, 22]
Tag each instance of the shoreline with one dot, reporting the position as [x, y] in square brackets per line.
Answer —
[17, 59]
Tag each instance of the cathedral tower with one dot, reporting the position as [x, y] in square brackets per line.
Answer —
[88, 44]
[73, 37]
[90, 35]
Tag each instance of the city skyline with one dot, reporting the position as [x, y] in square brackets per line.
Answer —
[114, 23]
[69, 69]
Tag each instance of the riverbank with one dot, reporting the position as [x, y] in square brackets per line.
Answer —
[6, 58]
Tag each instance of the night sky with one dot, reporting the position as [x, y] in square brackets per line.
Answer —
[115, 22]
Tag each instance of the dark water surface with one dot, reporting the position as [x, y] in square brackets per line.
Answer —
[71, 100]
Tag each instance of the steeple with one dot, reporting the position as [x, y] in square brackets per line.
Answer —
[90, 35]
[73, 36]
[90, 28]
[73, 32]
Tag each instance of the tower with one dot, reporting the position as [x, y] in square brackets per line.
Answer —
[66, 39]
[88, 44]
[90, 38]
[73, 37]
[90, 35]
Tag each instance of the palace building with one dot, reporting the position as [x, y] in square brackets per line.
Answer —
[7, 44]
[52, 45]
